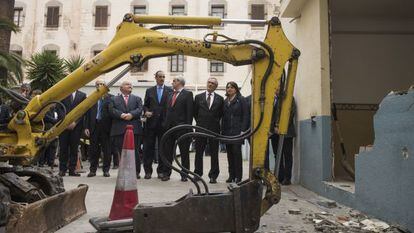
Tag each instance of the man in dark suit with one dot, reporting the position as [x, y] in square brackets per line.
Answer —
[126, 109]
[70, 138]
[286, 161]
[155, 104]
[179, 111]
[208, 110]
[98, 129]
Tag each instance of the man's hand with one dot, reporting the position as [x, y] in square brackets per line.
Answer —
[128, 116]
[71, 126]
[148, 114]
[87, 133]
[123, 115]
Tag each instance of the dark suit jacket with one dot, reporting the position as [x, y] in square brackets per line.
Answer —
[151, 104]
[181, 112]
[4, 115]
[291, 128]
[235, 116]
[118, 106]
[90, 117]
[71, 104]
[205, 117]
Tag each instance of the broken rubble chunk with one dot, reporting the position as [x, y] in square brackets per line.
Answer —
[327, 204]
[294, 211]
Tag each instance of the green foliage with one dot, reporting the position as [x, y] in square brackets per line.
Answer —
[74, 62]
[10, 62]
[6, 24]
[44, 70]
[13, 63]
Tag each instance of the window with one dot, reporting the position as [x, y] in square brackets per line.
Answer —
[177, 63]
[18, 52]
[54, 52]
[217, 11]
[101, 16]
[140, 10]
[216, 67]
[178, 10]
[52, 17]
[258, 11]
[18, 16]
[96, 52]
[142, 68]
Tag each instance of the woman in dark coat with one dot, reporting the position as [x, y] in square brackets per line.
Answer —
[234, 122]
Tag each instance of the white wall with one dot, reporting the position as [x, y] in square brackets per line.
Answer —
[76, 35]
[371, 57]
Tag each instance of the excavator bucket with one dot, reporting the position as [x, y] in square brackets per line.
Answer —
[48, 214]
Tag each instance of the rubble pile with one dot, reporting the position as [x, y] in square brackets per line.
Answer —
[354, 222]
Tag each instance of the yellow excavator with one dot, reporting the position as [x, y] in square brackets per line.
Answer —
[34, 199]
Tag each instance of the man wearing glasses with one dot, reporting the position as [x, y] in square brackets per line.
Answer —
[155, 104]
[98, 130]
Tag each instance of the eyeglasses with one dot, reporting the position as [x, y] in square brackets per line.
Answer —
[161, 76]
[100, 84]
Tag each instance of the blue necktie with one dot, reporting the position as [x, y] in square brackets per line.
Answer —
[159, 94]
[98, 112]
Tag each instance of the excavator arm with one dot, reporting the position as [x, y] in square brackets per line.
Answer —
[243, 205]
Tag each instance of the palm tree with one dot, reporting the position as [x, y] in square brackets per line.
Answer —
[11, 72]
[44, 70]
[74, 62]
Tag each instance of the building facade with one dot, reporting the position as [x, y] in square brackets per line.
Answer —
[84, 27]
[354, 102]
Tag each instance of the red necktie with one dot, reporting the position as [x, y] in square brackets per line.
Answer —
[174, 98]
[126, 99]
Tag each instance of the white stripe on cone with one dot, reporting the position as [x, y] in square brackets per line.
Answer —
[127, 180]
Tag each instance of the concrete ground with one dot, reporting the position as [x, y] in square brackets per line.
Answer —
[301, 202]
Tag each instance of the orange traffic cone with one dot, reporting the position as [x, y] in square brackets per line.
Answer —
[79, 167]
[126, 193]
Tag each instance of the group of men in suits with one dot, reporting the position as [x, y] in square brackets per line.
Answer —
[163, 108]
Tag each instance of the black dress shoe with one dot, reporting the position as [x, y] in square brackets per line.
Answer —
[91, 174]
[115, 167]
[74, 174]
[160, 175]
[147, 176]
[229, 180]
[62, 173]
[106, 174]
[138, 176]
[213, 181]
[184, 179]
[165, 178]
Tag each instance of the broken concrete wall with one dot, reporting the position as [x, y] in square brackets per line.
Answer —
[384, 185]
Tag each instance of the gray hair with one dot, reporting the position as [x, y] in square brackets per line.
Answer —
[181, 80]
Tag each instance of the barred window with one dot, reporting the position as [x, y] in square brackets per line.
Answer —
[218, 11]
[142, 68]
[258, 11]
[177, 63]
[18, 16]
[52, 17]
[178, 10]
[216, 66]
[140, 10]
[101, 16]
